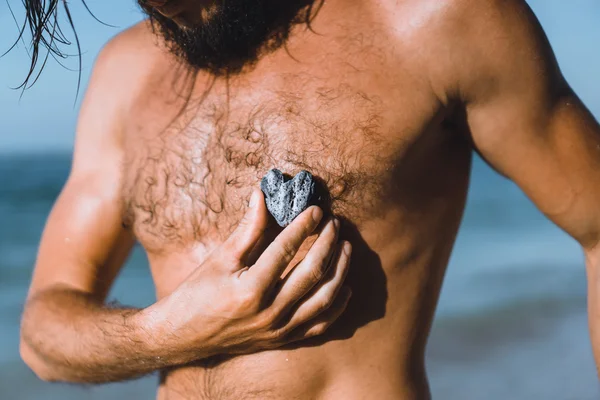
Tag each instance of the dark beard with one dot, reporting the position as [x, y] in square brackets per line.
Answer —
[234, 34]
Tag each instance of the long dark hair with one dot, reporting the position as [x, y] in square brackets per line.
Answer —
[42, 23]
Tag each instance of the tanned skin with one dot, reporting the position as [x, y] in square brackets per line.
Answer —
[384, 102]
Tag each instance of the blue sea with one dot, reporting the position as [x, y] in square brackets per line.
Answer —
[511, 322]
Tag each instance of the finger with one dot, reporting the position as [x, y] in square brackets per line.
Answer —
[319, 325]
[311, 270]
[268, 236]
[271, 264]
[250, 229]
[324, 295]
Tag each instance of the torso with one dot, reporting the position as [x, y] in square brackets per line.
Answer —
[358, 111]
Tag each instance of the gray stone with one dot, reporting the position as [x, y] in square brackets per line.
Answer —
[287, 199]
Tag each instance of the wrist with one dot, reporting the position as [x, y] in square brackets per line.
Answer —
[149, 332]
[166, 339]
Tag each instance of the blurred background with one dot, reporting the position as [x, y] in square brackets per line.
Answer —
[511, 321]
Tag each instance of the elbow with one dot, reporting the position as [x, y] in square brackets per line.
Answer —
[41, 369]
[28, 351]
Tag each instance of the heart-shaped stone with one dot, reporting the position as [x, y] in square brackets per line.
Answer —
[287, 199]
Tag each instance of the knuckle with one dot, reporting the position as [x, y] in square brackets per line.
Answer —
[260, 326]
[278, 335]
[267, 319]
[324, 303]
[287, 250]
[245, 222]
[302, 228]
[248, 301]
[307, 229]
[320, 329]
[316, 330]
[317, 272]
[251, 286]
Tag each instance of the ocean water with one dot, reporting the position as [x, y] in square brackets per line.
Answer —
[511, 321]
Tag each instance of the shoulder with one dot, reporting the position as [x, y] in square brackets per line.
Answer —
[137, 41]
[486, 45]
[496, 30]
[126, 60]
[122, 70]
[136, 71]
[119, 74]
[480, 21]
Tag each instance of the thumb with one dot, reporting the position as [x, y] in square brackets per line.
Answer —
[250, 229]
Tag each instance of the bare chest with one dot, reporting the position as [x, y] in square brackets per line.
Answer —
[188, 180]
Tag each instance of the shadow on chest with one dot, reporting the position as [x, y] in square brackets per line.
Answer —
[190, 182]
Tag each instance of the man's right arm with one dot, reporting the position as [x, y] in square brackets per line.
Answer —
[224, 307]
[66, 332]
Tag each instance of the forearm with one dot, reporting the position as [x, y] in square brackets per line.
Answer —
[69, 336]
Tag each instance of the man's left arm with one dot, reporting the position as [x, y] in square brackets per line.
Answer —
[527, 123]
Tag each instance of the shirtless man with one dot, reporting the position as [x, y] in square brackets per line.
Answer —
[384, 102]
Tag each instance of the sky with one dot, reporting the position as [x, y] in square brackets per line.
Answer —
[43, 118]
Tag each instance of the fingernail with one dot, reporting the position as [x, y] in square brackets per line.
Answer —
[253, 199]
[336, 223]
[347, 249]
[317, 214]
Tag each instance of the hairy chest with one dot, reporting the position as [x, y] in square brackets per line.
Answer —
[188, 181]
